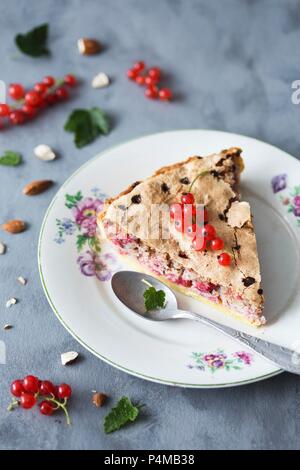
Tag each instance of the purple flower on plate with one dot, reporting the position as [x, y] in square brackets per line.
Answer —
[245, 357]
[85, 214]
[68, 226]
[296, 201]
[279, 183]
[296, 211]
[91, 264]
[215, 360]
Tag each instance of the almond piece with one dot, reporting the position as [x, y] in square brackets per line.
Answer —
[44, 152]
[2, 248]
[68, 357]
[14, 226]
[100, 81]
[37, 187]
[99, 399]
[88, 46]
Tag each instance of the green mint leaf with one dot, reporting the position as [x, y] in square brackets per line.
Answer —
[87, 125]
[34, 42]
[121, 414]
[10, 158]
[154, 299]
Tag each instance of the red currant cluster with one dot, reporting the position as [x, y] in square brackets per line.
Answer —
[30, 389]
[150, 79]
[184, 215]
[29, 103]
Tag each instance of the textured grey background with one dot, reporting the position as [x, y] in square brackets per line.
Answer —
[231, 64]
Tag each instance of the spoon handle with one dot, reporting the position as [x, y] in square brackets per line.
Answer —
[283, 357]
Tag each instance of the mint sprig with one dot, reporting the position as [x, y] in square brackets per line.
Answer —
[10, 158]
[87, 125]
[34, 42]
[123, 413]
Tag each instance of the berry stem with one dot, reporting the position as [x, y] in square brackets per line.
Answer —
[12, 405]
[195, 179]
[147, 283]
[62, 406]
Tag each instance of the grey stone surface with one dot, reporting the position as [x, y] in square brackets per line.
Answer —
[231, 64]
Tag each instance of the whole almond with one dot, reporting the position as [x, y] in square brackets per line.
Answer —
[37, 187]
[99, 399]
[88, 46]
[14, 226]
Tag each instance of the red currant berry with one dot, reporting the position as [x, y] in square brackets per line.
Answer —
[151, 92]
[4, 109]
[190, 230]
[17, 388]
[47, 388]
[16, 117]
[208, 231]
[31, 384]
[154, 72]
[189, 211]
[149, 81]
[51, 99]
[40, 87]
[16, 91]
[176, 210]
[199, 243]
[139, 66]
[140, 80]
[46, 408]
[33, 98]
[27, 401]
[62, 94]
[64, 391]
[132, 74]
[49, 81]
[187, 198]
[217, 244]
[205, 215]
[70, 80]
[165, 94]
[179, 225]
[29, 110]
[224, 259]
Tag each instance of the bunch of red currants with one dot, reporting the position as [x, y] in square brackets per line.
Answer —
[150, 79]
[184, 215]
[31, 389]
[29, 103]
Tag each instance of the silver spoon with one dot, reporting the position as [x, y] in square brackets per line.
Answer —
[129, 287]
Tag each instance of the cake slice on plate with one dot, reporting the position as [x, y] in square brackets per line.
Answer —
[187, 226]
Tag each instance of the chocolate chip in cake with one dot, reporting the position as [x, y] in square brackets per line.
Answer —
[260, 291]
[248, 281]
[236, 247]
[221, 216]
[165, 188]
[200, 158]
[181, 254]
[184, 180]
[136, 199]
[134, 185]
[215, 173]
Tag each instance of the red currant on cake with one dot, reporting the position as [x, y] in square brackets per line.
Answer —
[176, 210]
[187, 198]
[199, 243]
[224, 259]
[208, 231]
[191, 230]
[217, 244]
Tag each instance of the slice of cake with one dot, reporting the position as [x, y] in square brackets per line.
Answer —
[187, 226]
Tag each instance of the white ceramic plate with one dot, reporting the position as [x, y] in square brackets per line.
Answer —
[75, 271]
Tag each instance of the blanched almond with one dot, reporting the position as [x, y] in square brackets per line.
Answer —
[44, 152]
[37, 187]
[14, 226]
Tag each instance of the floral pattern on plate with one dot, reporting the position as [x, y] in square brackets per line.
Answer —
[290, 199]
[82, 224]
[220, 361]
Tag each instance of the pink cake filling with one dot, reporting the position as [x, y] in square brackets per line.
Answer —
[161, 264]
